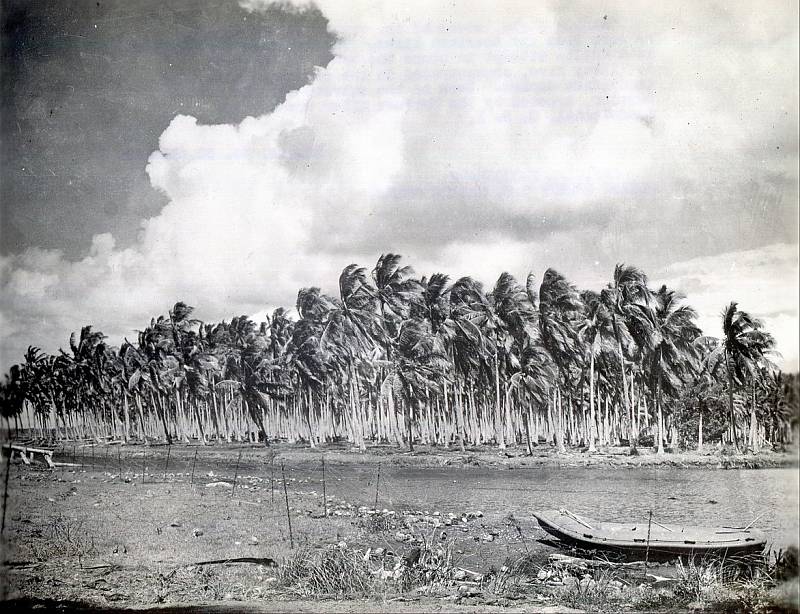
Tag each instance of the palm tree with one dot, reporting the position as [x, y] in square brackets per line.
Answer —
[560, 310]
[534, 380]
[745, 346]
[671, 351]
[474, 349]
[418, 366]
[627, 288]
[597, 333]
[353, 330]
[395, 291]
[516, 321]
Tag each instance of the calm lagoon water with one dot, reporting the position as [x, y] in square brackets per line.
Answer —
[694, 496]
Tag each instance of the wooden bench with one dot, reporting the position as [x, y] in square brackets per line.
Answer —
[27, 454]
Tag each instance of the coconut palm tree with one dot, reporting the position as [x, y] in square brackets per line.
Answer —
[418, 366]
[395, 291]
[745, 346]
[353, 330]
[628, 287]
[475, 350]
[533, 381]
[560, 312]
[671, 352]
[597, 332]
[516, 322]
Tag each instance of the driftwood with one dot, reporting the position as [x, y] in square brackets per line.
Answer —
[244, 559]
[574, 561]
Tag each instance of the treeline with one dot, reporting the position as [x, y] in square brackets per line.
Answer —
[396, 358]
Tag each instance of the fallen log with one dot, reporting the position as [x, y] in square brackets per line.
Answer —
[268, 562]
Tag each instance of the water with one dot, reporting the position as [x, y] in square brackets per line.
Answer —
[697, 496]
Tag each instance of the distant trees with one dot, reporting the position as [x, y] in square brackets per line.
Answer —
[396, 358]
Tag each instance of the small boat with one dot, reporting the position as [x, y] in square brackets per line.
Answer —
[656, 539]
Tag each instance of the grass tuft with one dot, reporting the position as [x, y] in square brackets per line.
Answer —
[327, 572]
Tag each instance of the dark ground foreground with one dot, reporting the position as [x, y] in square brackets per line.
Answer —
[147, 528]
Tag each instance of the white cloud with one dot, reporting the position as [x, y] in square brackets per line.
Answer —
[472, 139]
[764, 282]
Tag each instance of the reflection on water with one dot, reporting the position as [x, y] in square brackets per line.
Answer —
[696, 496]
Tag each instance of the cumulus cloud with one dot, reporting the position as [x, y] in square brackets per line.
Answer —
[472, 138]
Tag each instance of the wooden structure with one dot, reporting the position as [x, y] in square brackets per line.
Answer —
[27, 454]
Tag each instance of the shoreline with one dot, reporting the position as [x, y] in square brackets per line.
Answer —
[428, 457]
[512, 458]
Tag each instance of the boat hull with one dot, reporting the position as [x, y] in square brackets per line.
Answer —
[655, 541]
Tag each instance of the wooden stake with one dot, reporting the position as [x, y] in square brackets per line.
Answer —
[236, 473]
[119, 461]
[377, 482]
[324, 494]
[194, 462]
[272, 481]
[144, 460]
[647, 551]
[166, 464]
[288, 515]
[5, 493]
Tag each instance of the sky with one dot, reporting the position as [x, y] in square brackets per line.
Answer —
[227, 154]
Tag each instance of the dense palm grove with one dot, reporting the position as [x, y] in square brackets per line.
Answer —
[399, 359]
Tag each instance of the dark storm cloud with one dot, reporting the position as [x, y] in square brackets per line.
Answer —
[89, 86]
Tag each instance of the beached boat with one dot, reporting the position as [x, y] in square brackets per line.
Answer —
[653, 538]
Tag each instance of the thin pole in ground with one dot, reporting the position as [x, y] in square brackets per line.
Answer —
[194, 462]
[288, 515]
[5, 491]
[166, 464]
[105, 457]
[324, 494]
[647, 550]
[119, 462]
[377, 482]
[272, 481]
[93, 457]
[236, 473]
[144, 460]
[73, 454]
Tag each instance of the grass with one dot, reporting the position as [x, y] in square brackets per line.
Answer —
[331, 572]
[61, 537]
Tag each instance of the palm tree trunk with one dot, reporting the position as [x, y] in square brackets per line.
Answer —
[625, 400]
[660, 418]
[501, 442]
[408, 409]
[753, 443]
[731, 413]
[700, 432]
[559, 421]
[526, 422]
[590, 430]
